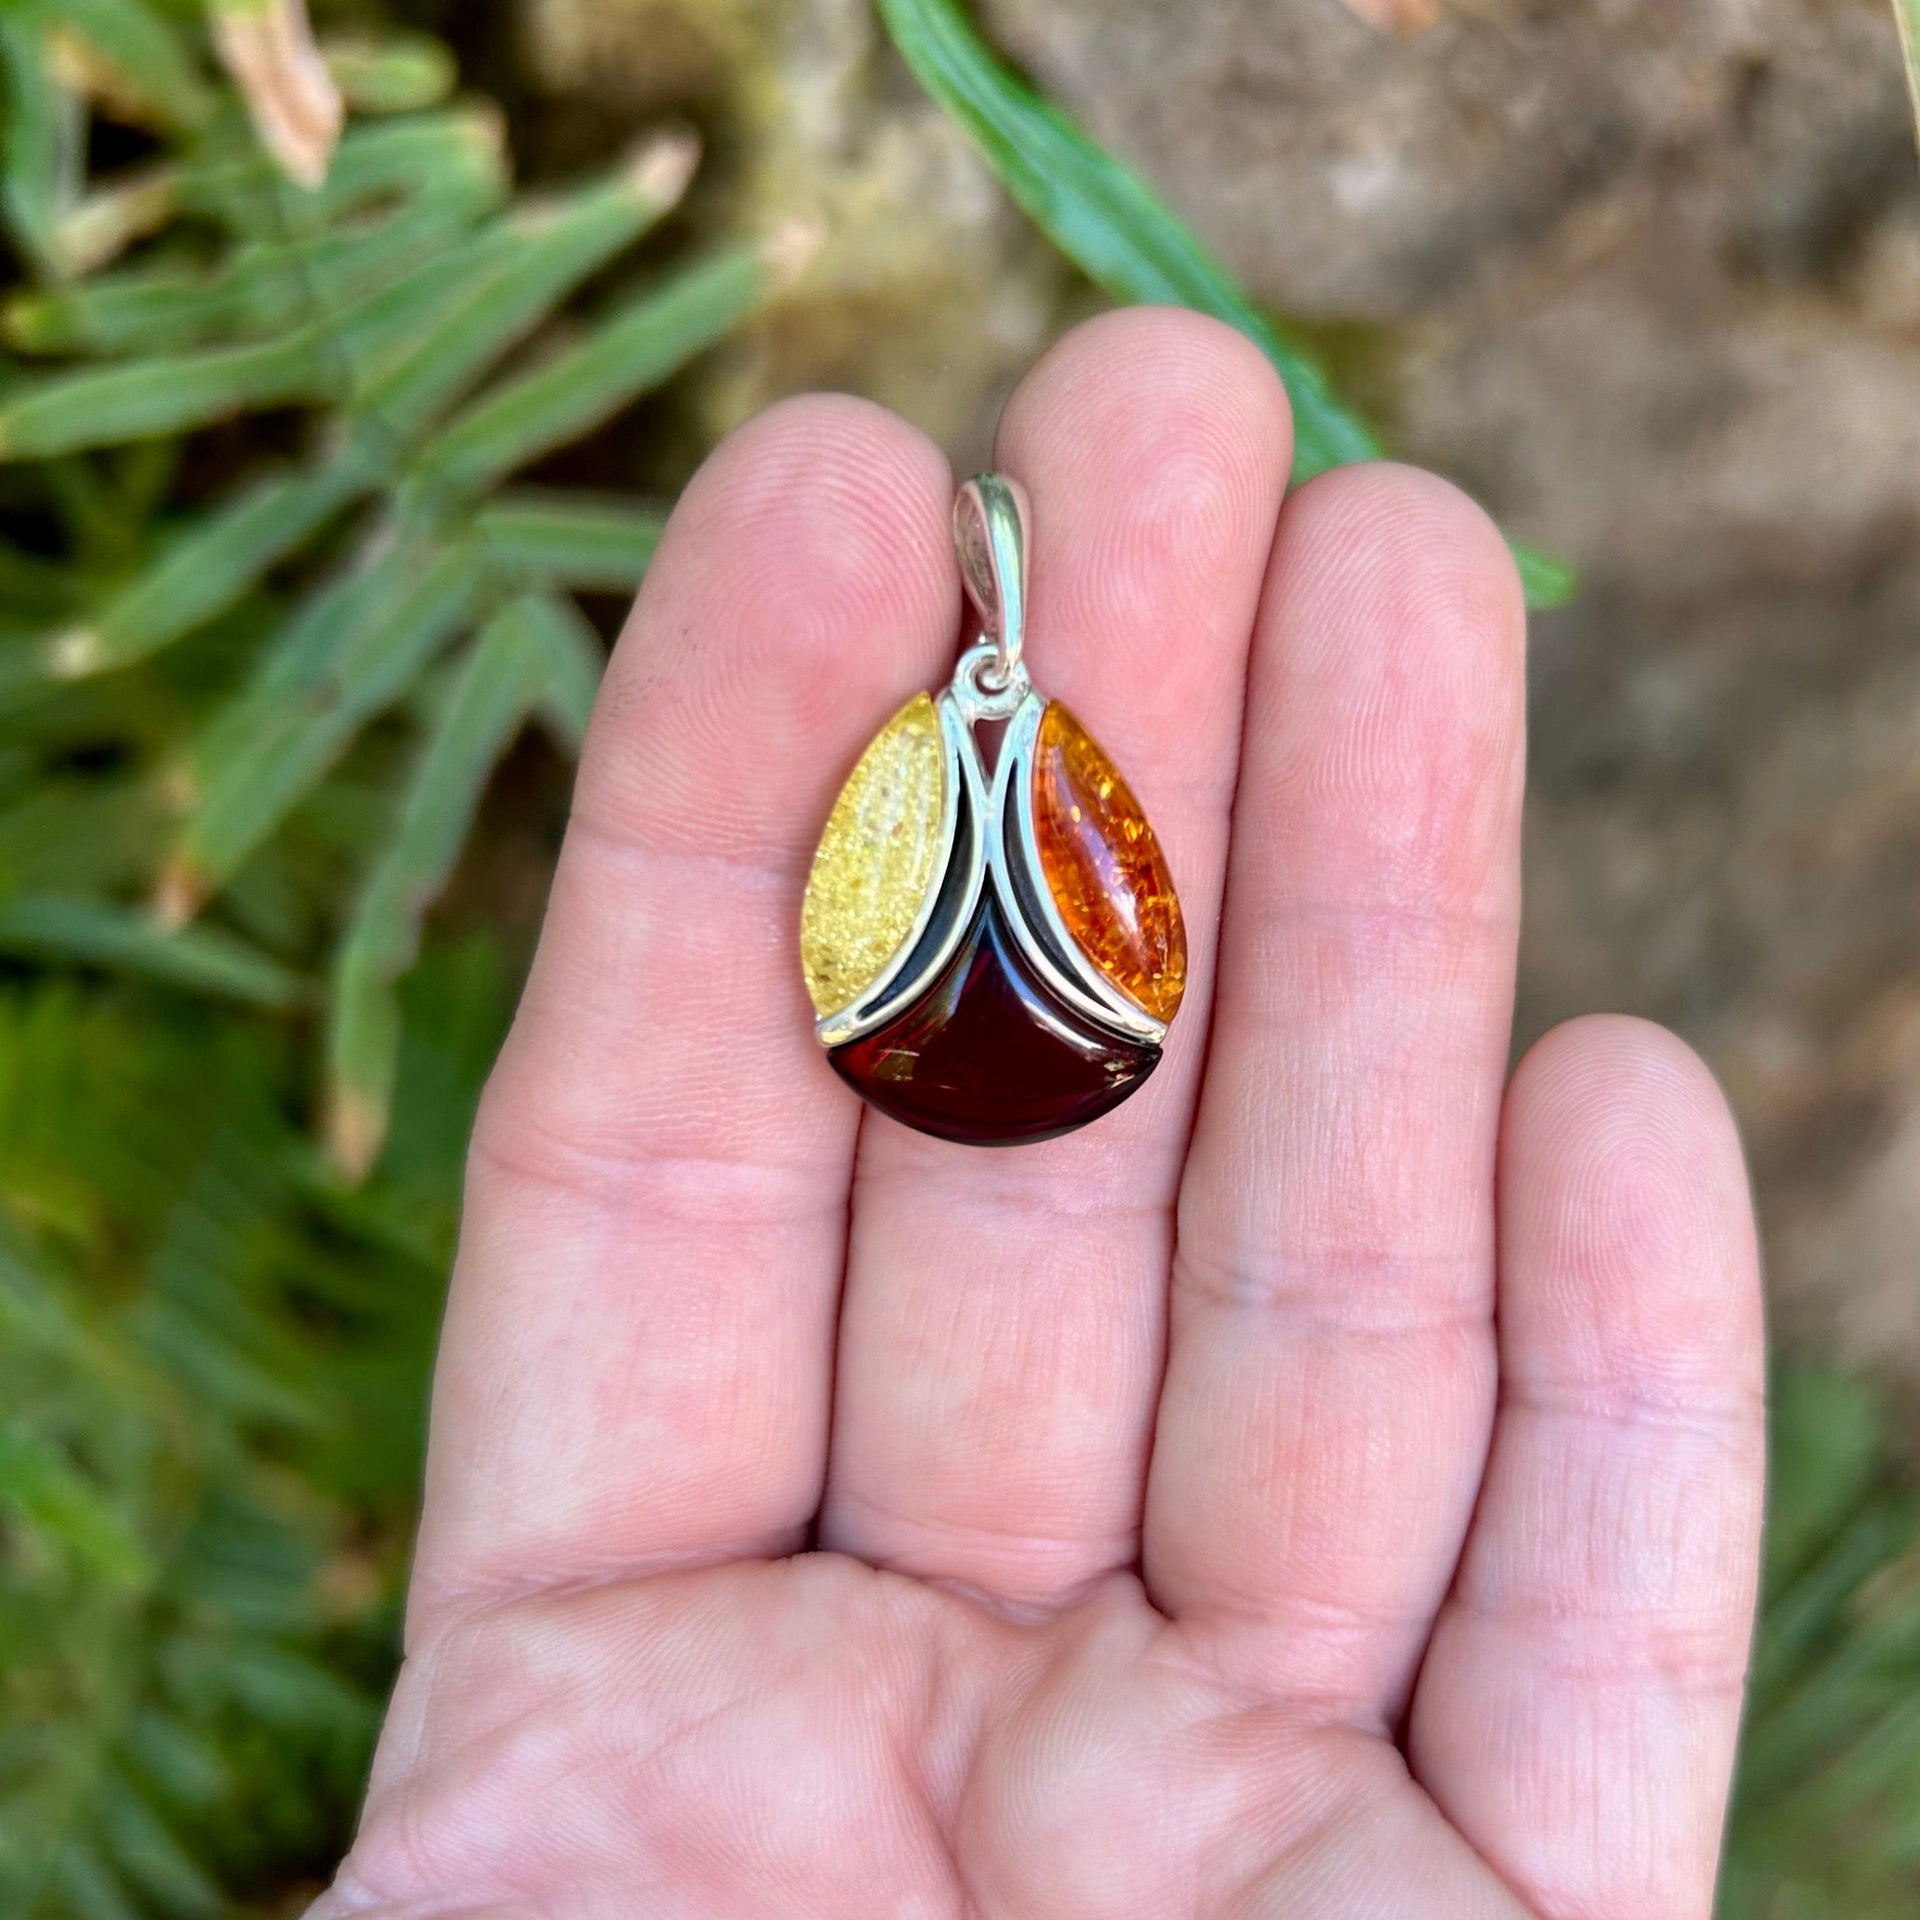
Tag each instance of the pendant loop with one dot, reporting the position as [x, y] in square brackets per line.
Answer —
[982, 689]
[992, 527]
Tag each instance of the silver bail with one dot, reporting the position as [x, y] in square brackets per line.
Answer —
[992, 528]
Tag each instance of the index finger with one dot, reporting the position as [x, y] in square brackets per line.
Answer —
[637, 1359]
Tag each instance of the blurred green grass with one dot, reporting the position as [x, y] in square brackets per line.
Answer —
[271, 615]
[1129, 243]
[387, 578]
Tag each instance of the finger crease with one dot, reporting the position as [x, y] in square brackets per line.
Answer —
[748, 1192]
[629, 843]
[1381, 1295]
[1735, 1417]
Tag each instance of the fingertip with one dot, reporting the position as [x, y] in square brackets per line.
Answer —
[804, 585]
[1390, 674]
[1624, 1191]
[1156, 443]
[1427, 558]
[813, 524]
[1602, 1064]
[1193, 371]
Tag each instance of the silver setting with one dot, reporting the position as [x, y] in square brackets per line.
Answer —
[978, 692]
[992, 532]
[952, 897]
[1044, 940]
[1002, 848]
[991, 522]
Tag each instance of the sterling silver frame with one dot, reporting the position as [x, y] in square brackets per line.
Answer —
[1002, 849]
[992, 532]
[1043, 937]
[965, 804]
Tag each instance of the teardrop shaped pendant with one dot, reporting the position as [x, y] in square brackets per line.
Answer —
[990, 936]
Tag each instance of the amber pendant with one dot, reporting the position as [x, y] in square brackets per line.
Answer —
[990, 935]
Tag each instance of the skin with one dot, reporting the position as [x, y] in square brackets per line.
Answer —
[1330, 1486]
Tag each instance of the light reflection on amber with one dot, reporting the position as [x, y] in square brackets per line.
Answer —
[1104, 867]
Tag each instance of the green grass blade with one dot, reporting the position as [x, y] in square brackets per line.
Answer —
[515, 275]
[88, 1885]
[408, 347]
[571, 662]
[41, 143]
[358, 341]
[399, 156]
[398, 73]
[303, 656]
[71, 833]
[1827, 1438]
[1117, 231]
[570, 540]
[175, 393]
[147, 1853]
[145, 55]
[343, 263]
[1800, 1622]
[172, 393]
[203, 572]
[40, 1487]
[147, 307]
[1906, 14]
[1547, 580]
[280, 737]
[299, 663]
[1104, 217]
[374, 161]
[628, 352]
[99, 933]
[267, 285]
[101, 225]
[485, 707]
[177, 1758]
[32, 589]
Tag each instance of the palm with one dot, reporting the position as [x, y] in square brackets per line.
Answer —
[808, 1736]
[825, 1521]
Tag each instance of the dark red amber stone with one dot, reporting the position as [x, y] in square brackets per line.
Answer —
[985, 1057]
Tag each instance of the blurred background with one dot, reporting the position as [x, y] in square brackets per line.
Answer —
[345, 387]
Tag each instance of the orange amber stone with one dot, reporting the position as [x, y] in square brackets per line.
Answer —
[1104, 868]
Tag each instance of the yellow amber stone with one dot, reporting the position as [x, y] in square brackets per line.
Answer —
[1104, 867]
[875, 861]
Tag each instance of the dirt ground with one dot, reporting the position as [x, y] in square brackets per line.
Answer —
[1645, 276]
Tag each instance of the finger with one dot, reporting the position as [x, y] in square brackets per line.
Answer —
[1577, 1712]
[638, 1349]
[1330, 1379]
[1002, 1331]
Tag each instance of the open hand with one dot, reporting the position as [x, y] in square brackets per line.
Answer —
[1326, 1488]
